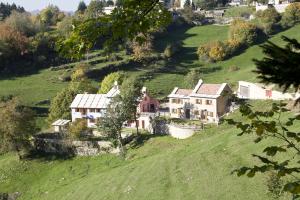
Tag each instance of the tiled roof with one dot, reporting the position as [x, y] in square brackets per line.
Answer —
[185, 92]
[209, 89]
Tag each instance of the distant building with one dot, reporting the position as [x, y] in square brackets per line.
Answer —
[279, 5]
[206, 102]
[247, 90]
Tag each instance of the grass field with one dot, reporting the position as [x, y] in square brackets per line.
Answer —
[163, 168]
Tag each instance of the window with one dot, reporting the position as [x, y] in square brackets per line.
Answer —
[208, 102]
[177, 101]
[196, 112]
[92, 110]
[211, 114]
[83, 111]
[198, 101]
[76, 109]
[174, 111]
[92, 120]
[98, 110]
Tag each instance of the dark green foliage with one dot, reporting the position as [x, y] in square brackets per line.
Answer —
[269, 124]
[268, 19]
[81, 7]
[6, 9]
[94, 9]
[192, 78]
[281, 64]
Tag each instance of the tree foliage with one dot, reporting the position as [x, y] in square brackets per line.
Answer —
[124, 24]
[109, 80]
[6, 9]
[16, 127]
[192, 78]
[244, 32]
[94, 9]
[291, 16]
[281, 64]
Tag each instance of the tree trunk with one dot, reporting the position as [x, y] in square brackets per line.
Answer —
[121, 146]
[136, 125]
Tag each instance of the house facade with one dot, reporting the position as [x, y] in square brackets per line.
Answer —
[206, 102]
[92, 107]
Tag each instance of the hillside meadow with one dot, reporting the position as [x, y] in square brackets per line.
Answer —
[162, 168]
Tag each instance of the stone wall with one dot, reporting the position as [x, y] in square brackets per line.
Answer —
[69, 147]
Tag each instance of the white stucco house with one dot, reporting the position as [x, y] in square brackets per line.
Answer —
[248, 90]
[206, 102]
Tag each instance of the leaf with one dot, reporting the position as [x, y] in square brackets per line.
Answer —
[271, 151]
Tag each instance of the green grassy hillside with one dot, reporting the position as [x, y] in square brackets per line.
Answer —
[163, 168]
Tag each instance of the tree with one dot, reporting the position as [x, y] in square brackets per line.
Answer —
[124, 24]
[110, 3]
[78, 128]
[22, 22]
[281, 64]
[109, 80]
[291, 16]
[51, 15]
[131, 93]
[141, 46]
[268, 18]
[81, 7]
[192, 78]
[187, 3]
[6, 9]
[94, 9]
[281, 67]
[111, 125]
[16, 127]
[243, 32]
[13, 45]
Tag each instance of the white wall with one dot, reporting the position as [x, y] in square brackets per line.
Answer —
[180, 133]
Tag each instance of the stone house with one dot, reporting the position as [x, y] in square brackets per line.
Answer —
[206, 102]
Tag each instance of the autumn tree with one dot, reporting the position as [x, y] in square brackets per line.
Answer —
[243, 32]
[16, 127]
[141, 46]
[291, 16]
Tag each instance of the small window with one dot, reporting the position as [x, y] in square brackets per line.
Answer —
[196, 112]
[92, 110]
[98, 110]
[174, 100]
[208, 102]
[174, 111]
[198, 101]
[211, 114]
[76, 109]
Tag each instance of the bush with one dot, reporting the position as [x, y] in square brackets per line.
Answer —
[108, 82]
[214, 51]
[243, 32]
[78, 129]
[268, 19]
[172, 49]
[291, 15]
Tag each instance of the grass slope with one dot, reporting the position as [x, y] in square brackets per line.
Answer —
[163, 168]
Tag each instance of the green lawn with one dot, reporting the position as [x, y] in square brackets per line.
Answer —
[163, 168]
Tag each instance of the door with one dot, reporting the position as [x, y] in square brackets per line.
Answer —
[188, 113]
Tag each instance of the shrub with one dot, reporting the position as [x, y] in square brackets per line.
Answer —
[268, 19]
[291, 15]
[172, 49]
[243, 32]
[141, 46]
[214, 51]
[78, 129]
